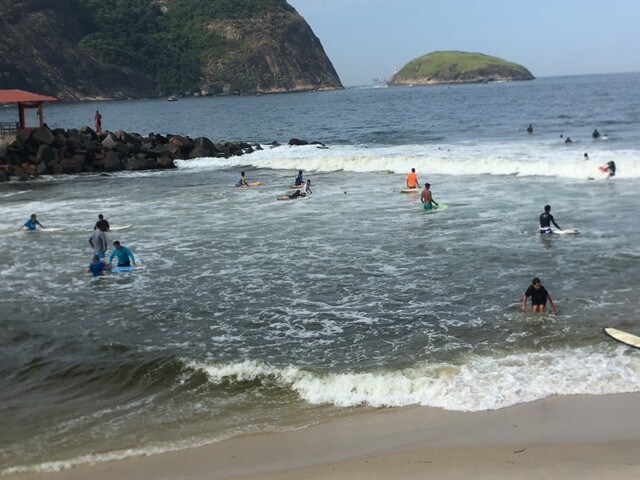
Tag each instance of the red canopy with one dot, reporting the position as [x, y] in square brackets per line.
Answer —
[25, 100]
[21, 96]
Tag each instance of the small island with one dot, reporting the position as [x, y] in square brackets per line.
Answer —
[448, 67]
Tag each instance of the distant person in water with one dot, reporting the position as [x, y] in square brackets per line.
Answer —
[530, 129]
[242, 181]
[611, 168]
[427, 198]
[97, 267]
[596, 133]
[412, 179]
[98, 118]
[539, 297]
[301, 192]
[32, 224]
[586, 156]
[568, 140]
[299, 180]
[125, 257]
[102, 223]
[546, 219]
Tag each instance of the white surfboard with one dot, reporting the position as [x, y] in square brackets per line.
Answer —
[119, 228]
[568, 231]
[61, 229]
[410, 190]
[624, 337]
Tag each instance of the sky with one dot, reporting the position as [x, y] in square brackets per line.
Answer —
[366, 39]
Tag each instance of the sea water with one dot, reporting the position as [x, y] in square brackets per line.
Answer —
[253, 314]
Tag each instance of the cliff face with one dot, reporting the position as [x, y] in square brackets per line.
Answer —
[458, 67]
[44, 49]
[39, 52]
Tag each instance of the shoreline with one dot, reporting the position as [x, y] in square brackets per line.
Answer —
[584, 436]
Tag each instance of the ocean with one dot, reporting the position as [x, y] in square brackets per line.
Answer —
[257, 315]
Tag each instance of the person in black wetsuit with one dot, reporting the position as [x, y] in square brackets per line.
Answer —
[546, 219]
[539, 297]
[102, 224]
[611, 167]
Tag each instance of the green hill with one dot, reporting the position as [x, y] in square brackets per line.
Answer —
[143, 48]
[458, 67]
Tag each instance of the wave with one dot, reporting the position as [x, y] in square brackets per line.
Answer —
[481, 383]
[519, 159]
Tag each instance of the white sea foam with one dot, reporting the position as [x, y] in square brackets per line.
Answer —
[483, 383]
[464, 159]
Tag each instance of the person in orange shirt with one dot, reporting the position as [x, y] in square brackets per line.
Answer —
[412, 179]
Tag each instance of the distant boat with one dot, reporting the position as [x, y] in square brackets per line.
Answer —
[171, 98]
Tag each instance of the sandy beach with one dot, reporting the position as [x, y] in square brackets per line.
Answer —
[560, 437]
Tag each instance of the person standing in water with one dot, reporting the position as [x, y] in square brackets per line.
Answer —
[539, 297]
[427, 198]
[412, 179]
[32, 224]
[546, 219]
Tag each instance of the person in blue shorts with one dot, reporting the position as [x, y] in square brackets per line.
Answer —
[32, 224]
[97, 267]
[427, 198]
[125, 257]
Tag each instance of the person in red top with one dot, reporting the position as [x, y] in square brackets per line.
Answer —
[412, 179]
[98, 122]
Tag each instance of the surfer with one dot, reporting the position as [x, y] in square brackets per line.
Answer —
[301, 192]
[530, 129]
[299, 179]
[546, 219]
[32, 223]
[586, 156]
[412, 179]
[242, 181]
[539, 297]
[125, 257]
[595, 134]
[98, 241]
[97, 267]
[427, 198]
[611, 167]
[102, 223]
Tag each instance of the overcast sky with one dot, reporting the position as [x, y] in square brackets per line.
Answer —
[365, 39]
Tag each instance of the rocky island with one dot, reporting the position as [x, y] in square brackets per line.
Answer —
[458, 67]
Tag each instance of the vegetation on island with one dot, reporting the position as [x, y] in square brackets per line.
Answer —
[458, 67]
[170, 40]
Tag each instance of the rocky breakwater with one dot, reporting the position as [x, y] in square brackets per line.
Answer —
[43, 151]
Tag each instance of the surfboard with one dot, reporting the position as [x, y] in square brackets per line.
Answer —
[130, 268]
[568, 231]
[250, 184]
[410, 190]
[624, 337]
[440, 206]
[119, 228]
[286, 197]
[61, 229]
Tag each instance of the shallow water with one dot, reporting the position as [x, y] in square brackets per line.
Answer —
[253, 315]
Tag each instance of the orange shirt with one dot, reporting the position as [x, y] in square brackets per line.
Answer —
[412, 180]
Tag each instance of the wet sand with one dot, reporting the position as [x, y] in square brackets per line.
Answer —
[581, 437]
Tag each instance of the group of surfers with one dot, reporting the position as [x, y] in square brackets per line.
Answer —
[302, 187]
[99, 243]
[426, 197]
[536, 291]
